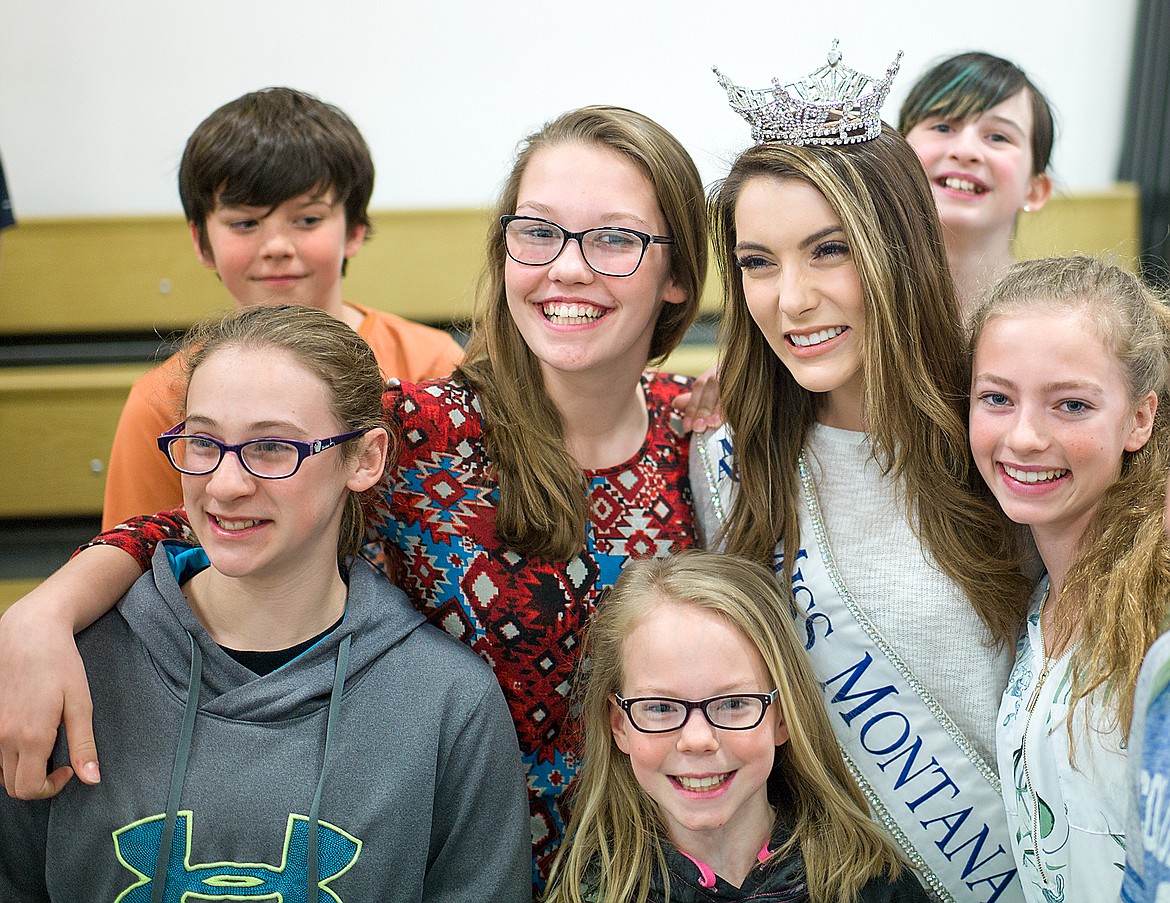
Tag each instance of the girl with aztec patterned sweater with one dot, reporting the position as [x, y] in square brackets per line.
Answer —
[276, 720]
[1070, 428]
[524, 482]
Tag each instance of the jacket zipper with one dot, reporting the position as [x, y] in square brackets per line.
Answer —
[1024, 743]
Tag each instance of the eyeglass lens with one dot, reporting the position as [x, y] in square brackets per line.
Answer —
[264, 457]
[731, 712]
[612, 252]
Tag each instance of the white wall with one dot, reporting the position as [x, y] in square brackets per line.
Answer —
[97, 98]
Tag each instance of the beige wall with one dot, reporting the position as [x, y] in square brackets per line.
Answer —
[140, 273]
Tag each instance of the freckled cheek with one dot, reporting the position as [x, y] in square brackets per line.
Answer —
[233, 259]
[1107, 457]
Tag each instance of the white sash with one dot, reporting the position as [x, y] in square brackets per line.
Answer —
[925, 783]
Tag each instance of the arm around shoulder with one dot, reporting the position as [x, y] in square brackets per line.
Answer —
[42, 678]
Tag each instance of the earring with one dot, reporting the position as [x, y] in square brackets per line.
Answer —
[1027, 208]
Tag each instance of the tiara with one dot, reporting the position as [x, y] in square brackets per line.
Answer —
[834, 105]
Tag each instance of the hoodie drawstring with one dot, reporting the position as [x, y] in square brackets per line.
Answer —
[178, 774]
[182, 754]
[334, 703]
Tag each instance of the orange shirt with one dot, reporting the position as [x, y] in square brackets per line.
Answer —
[140, 480]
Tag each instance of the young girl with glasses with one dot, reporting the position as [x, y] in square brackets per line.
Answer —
[984, 133]
[1070, 430]
[710, 769]
[524, 482]
[273, 715]
[845, 465]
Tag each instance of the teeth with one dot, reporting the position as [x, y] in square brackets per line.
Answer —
[962, 185]
[1033, 476]
[569, 314]
[236, 524]
[701, 783]
[803, 341]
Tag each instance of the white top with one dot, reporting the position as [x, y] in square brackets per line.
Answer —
[1079, 811]
[920, 611]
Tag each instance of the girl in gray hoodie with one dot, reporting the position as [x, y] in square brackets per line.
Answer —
[280, 723]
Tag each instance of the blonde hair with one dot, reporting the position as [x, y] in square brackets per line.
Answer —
[615, 829]
[1114, 601]
[542, 508]
[324, 346]
[915, 373]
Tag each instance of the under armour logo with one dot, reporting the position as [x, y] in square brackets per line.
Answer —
[137, 845]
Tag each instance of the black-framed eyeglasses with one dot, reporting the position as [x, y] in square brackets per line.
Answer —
[268, 459]
[661, 714]
[609, 250]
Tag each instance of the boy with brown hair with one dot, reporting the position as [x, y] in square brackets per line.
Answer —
[275, 186]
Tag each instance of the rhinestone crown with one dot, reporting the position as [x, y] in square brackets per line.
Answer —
[833, 105]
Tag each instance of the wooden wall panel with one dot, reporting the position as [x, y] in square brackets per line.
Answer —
[1100, 224]
[140, 273]
[57, 424]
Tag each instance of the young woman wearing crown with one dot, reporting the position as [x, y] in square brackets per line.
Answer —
[845, 464]
[522, 484]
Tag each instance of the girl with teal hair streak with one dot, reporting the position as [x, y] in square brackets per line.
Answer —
[984, 133]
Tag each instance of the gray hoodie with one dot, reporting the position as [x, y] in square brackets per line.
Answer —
[404, 766]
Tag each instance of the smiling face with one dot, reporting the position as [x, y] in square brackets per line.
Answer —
[1049, 429]
[709, 784]
[268, 529]
[573, 319]
[803, 291]
[291, 255]
[980, 169]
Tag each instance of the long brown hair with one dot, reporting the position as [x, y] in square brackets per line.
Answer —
[542, 509]
[915, 370]
[613, 836]
[1115, 599]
